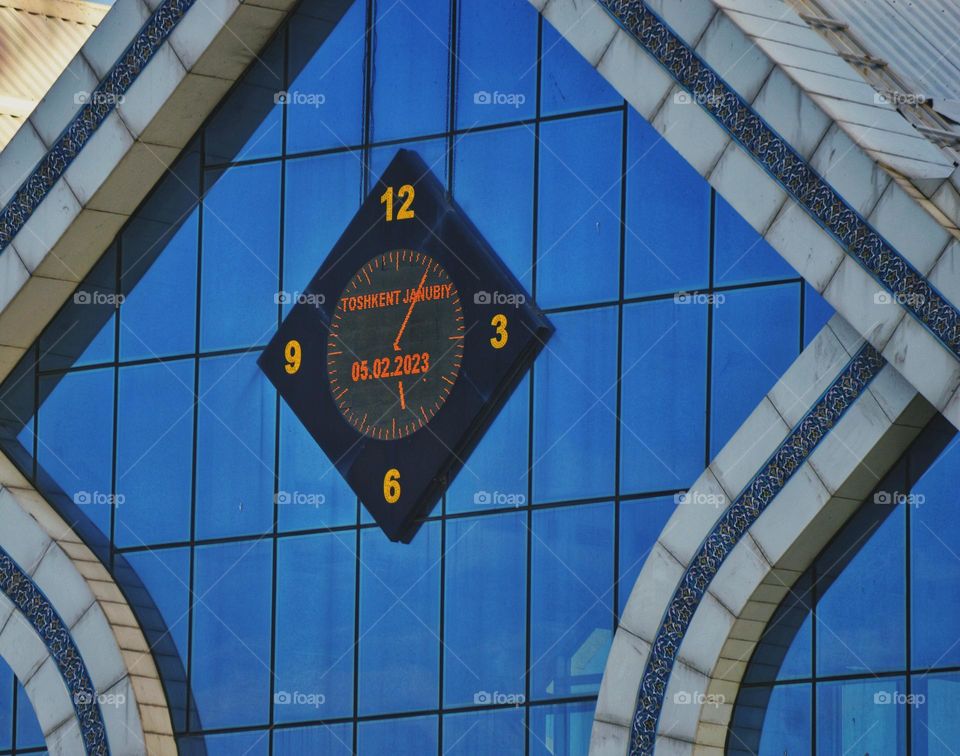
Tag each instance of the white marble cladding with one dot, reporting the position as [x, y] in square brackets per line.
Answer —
[100, 622]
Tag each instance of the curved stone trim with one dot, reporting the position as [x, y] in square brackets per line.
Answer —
[31, 602]
[90, 643]
[101, 103]
[798, 467]
[781, 161]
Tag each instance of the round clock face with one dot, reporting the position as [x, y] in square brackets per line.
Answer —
[396, 344]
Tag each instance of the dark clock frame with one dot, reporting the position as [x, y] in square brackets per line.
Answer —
[427, 460]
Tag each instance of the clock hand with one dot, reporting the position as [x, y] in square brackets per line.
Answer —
[396, 341]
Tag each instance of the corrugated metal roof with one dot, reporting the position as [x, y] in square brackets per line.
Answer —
[37, 40]
[919, 39]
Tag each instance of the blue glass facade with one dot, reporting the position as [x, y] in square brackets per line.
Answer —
[862, 654]
[295, 625]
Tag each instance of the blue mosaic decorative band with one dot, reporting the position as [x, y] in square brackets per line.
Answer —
[731, 527]
[89, 117]
[39, 612]
[784, 164]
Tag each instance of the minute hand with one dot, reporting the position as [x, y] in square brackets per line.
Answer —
[413, 303]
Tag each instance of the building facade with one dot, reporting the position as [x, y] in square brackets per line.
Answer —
[715, 512]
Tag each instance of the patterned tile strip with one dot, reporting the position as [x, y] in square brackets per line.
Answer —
[730, 528]
[824, 204]
[89, 117]
[34, 605]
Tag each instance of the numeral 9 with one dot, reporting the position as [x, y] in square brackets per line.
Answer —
[293, 355]
[391, 486]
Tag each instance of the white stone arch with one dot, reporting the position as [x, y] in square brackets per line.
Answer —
[759, 570]
[71, 582]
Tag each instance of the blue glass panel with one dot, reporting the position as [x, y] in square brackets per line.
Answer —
[432, 151]
[575, 408]
[484, 733]
[797, 661]
[322, 194]
[936, 727]
[935, 543]
[497, 195]
[862, 716]
[329, 740]
[772, 721]
[315, 626]
[240, 250]
[29, 734]
[563, 729]
[154, 453]
[816, 312]
[570, 638]
[742, 256]
[249, 122]
[411, 61]
[231, 633]
[399, 609]
[159, 313]
[254, 743]
[485, 609]
[497, 67]
[235, 449]
[165, 574]
[76, 439]
[756, 337]
[664, 395]
[578, 247]
[495, 475]
[414, 736]
[569, 81]
[6, 705]
[312, 493]
[668, 216]
[871, 585]
[640, 524]
[325, 98]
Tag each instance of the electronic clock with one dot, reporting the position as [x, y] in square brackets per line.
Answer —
[404, 346]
